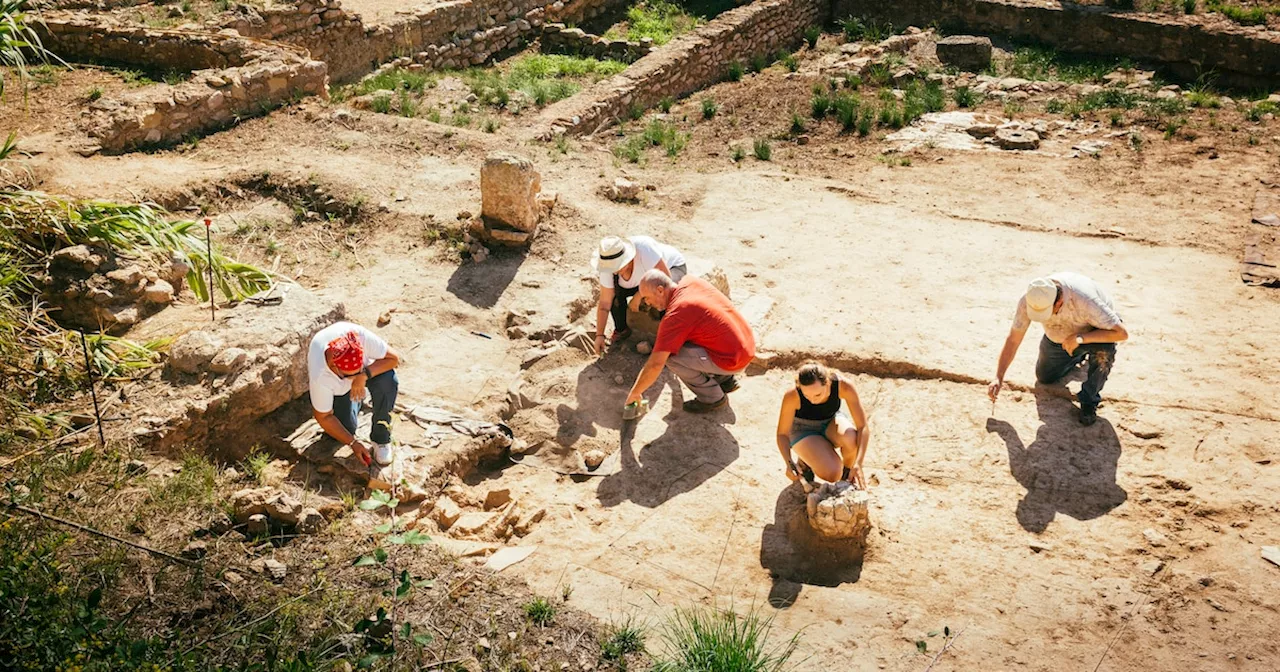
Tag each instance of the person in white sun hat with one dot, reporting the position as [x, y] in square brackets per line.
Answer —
[1079, 323]
[621, 262]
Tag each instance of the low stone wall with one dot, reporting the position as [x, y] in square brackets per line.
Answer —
[451, 34]
[689, 63]
[559, 39]
[1235, 55]
[233, 77]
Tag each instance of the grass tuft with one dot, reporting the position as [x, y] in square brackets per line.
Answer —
[709, 108]
[763, 151]
[540, 611]
[722, 641]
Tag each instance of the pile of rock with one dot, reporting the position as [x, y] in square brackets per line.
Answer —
[258, 509]
[500, 517]
[839, 511]
[89, 288]
[513, 202]
[558, 38]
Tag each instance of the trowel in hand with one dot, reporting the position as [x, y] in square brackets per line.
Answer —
[635, 410]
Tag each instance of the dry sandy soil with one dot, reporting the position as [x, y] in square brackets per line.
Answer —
[1131, 544]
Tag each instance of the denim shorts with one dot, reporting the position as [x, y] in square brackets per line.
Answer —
[802, 429]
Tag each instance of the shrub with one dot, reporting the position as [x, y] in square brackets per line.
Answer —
[762, 149]
[719, 641]
[735, 71]
[381, 103]
[665, 104]
[632, 149]
[709, 108]
[1189, 6]
[865, 121]
[659, 20]
[856, 29]
[759, 62]
[846, 111]
[94, 94]
[789, 61]
[852, 81]
[622, 640]
[540, 611]
[819, 105]
[737, 153]
[811, 35]
[966, 97]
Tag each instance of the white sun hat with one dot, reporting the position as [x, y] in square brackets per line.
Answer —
[1041, 295]
[614, 253]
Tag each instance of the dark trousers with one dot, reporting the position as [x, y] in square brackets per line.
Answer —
[619, 308]
[382, 389]
[1054, 363]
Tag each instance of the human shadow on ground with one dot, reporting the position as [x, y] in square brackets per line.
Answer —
[796, 556]
[1067, 468]
[481, 285]
[691, 450]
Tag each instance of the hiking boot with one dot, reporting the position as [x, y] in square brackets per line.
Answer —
[697, 406]
[729, 384]
[1088, 415]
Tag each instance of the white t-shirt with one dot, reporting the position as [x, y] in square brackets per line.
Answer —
[648, 252]
[325, 384]
[1085, 306]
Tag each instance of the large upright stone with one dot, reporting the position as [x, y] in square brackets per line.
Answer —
[839, 511]
[509, 187]
[966, 52]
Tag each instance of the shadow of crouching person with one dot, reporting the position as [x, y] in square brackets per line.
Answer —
[1066, 469]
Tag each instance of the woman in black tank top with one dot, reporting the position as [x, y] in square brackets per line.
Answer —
[829, 442]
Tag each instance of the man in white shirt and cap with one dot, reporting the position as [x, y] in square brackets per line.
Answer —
[621, 263]
[345, 363]
[1079, 322]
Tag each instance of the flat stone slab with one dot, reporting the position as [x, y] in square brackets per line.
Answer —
[1261, 262]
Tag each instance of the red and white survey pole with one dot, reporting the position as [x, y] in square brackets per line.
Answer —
[208, 243]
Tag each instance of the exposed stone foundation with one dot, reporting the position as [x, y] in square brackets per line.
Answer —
[689, 63]
[559, 39]
[1187, 46]
[453, 34]
[234, 77]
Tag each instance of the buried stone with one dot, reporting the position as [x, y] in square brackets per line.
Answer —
[839, 511]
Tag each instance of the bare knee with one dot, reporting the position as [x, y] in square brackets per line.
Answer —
[828, 471]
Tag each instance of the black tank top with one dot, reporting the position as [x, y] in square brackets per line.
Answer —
[824, 411]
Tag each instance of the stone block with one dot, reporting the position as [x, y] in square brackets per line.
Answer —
[193, 351]
[966, 52]
[839, 511]
[474, 523]
[509, 187]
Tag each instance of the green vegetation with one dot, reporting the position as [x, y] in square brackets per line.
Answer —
[666, 104]
[857, 29]
[1258, 110]
[94, 94]
[789, 61]
[735, 71]
[395, 79]
[621, 640]
[811, 35]
[719, 641]
[797, 124]
[20, 45]
[255, 465]
[762, 149]
[967, 97]
[709, 108]
[659, 20]
[1248, 16]
[542, 78]
[737, 153]
[540, 611]
[1046, 63]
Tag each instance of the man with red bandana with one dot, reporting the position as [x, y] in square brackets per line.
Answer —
[345, 363]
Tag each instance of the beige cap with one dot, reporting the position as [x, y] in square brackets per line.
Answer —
[1041, 295]
[614, 253]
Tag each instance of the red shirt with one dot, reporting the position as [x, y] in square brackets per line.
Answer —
[698, 313]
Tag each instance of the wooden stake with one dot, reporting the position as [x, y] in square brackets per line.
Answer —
[93, 392]
[208, 242]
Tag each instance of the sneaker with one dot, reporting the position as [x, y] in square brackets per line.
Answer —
[696, 406]
[382, 454]
[1088, 415]
[729, 384]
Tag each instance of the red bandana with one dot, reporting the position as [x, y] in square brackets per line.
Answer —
[347, 353]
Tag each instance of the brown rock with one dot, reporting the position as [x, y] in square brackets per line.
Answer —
[474, 523]
[193, 351]
[447, 512]
[195, 550]
[593, 458]
[509, 188]
[497, 499]
[310, 521]
[228, 361]
[159, 292]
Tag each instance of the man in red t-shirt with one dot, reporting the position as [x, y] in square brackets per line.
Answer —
[702, 338]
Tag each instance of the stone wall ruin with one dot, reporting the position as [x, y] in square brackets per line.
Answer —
[1186, 45]
[691, 62]
[233, 77]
